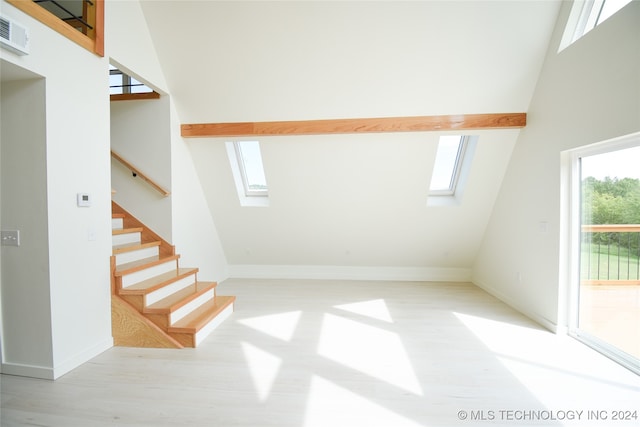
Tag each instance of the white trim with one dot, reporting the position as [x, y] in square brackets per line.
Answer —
[612, 352]
[28, 371]
[59, 370]
[80, 358]
[541, 320]
[333, 272]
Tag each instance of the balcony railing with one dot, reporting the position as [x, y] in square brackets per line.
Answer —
[81, 21]
[610, 254]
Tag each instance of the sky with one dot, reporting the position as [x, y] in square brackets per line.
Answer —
[621, 164]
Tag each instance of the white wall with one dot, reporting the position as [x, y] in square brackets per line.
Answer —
[141, 133]
[587, 93]
[195, 233]
[79, 239]
[149, 134]
[350, 205]
[25, 269]
[353, 206]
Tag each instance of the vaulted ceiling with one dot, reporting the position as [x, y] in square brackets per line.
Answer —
[350, 199]
[297, 60]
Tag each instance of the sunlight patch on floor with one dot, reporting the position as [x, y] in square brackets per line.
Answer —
[335, 406]
[376, 309]
[279, 325]
[368, 349]
[264, 368]
[524, 352]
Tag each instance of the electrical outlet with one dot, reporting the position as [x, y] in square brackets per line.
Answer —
[10, 237]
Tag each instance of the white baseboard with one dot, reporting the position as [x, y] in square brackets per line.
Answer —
[28, 371]
[542, 321]
[82, 357]
[331, 272]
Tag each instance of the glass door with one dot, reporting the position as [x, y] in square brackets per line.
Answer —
[608, 306]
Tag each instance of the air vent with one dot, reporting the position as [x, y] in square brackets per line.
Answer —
[14, 36]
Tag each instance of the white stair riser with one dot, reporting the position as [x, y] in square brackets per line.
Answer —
[213, 324]
[122, 239]
[148, 273]
[155, 296]
[117, 223]
[192, 305]
[136, 255]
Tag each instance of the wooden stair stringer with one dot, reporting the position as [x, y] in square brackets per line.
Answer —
[155, 302]
[131, 329]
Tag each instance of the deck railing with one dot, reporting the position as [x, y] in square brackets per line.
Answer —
[610, 254]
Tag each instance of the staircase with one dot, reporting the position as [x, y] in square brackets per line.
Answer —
[154, 301]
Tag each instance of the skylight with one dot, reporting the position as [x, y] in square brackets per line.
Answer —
[446, 170]
[588, 14]
[251, 168]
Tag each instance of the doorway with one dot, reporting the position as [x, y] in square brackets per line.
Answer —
[606, 294]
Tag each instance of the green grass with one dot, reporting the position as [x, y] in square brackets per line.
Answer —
[612, 266]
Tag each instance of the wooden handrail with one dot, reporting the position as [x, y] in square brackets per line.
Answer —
[136, 172]
[614, 228]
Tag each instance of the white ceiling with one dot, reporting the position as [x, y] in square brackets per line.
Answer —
[289, 60]
[350, 199]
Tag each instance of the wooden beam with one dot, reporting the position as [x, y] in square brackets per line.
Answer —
[134, 96]
[369, 125]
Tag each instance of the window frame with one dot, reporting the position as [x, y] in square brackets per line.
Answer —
[239, 179]
[581, 20]
[249, 192]
[571, 216]
[456, 170]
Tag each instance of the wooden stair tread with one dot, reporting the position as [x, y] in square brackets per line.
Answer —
[141, 264]
[158, 281]
[128, 247]
[174, 292]
[117, 231]
[198, 319]
[180, 298]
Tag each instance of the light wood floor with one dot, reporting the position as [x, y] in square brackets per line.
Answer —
[334, 354]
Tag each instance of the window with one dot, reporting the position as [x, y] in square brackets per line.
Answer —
[124, 87]
[251, 169]
[245, 158]
[446, 170]
[588, 14]
[451, 169]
